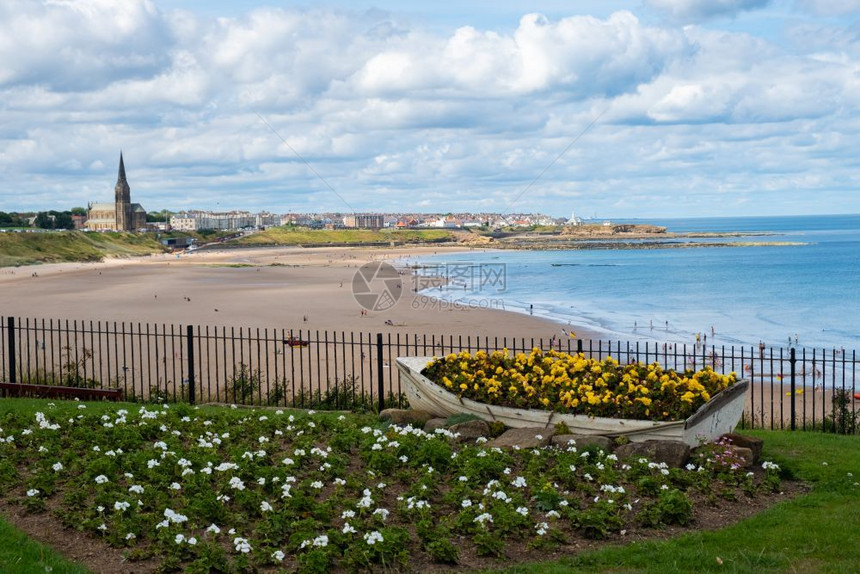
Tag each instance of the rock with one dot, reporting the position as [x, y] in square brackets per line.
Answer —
[528, 437]
[434, 424]
[742, 454]
[673, 452]
[583, 441]
[470, 430]
[405, 417]
[750, 442]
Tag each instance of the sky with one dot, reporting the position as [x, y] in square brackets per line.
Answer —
[645, 108]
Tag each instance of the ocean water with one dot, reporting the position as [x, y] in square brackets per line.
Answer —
[748, 295]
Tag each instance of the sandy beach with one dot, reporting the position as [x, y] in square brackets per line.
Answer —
[283, 288]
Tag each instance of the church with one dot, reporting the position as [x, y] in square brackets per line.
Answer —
[122, 215]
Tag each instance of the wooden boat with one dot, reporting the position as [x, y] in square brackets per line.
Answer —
[718, 416]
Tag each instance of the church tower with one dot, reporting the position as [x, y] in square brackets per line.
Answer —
[123, 200]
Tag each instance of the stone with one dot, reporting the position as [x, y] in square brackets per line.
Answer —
[753, 443]
[528, 437]
[405, 417]
[583, 441]
[434, 424]
[470, 430]
[672, 452]
[742, 454]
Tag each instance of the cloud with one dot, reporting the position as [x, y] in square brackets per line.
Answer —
[390, 113]
[701, 10]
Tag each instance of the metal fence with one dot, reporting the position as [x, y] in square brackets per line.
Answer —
[791, 387]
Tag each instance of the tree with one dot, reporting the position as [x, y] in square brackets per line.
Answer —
[63, 220]
[78, 211]
[44, 220]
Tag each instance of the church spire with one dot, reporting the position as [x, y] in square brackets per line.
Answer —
[120, 178]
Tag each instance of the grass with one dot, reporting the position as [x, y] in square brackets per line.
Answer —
[817, 532]
[21, 555]
[305, 236]
[74, 246]
[69, 246]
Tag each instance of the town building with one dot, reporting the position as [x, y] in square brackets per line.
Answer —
[122, 214]
[365, 221]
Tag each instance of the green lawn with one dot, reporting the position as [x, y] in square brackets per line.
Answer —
[21, 555]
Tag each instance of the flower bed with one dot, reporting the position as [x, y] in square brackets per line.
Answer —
[233, 491]
[573, 384]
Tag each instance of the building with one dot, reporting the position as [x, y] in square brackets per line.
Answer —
[122, 214]
[365, 221]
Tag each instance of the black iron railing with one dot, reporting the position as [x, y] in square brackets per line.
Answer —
[791, 387]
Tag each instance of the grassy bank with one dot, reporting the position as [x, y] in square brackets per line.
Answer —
[305, 236]
[81, 246]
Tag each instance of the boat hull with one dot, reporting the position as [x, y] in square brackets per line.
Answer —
[718, 416]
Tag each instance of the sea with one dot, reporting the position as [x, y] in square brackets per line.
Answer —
[805, 294]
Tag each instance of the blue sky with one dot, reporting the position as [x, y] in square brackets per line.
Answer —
[699, 107]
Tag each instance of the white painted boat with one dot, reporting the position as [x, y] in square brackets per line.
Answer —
[718, 416]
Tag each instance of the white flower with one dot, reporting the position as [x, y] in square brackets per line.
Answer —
[348, 514]
[261, 481]
[404, 458]
[347, 529]
[288, 461]
[317, 484]
[541, 528]
[192, 541]
[242, 545]
[278, 556]
[553, 514]
[152, 463]
[130, 536]
[179, 539]
[519, 482]
[236, 483]
[522, 510]
[767, 465]
[103, 527]
[265, 507]
[373, 537]
[213, 529]
[58, 466]
[33, 492]
[382, 513]
[101, 479]
[484, 518]
[463, 478]
[174, 517]
[121, 506]
[466, 503]
[175, 486]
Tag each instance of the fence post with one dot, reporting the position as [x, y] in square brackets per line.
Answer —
[189, 338]
[579, 345]
[10, 327]
[792, 360]
[379, 373]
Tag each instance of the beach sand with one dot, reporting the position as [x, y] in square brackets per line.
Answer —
[283, 288]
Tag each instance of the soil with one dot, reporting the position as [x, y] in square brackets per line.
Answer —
[100, 558]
